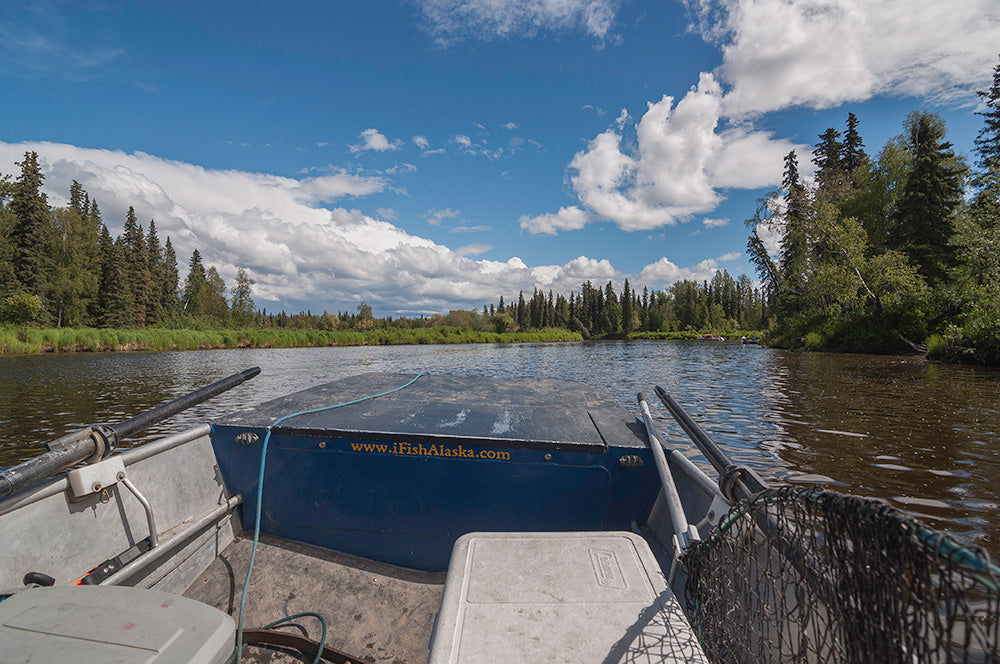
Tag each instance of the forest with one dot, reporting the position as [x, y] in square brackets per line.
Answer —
[887, 252]
[894, 252]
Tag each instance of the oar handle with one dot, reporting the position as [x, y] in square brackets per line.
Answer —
[96, 442]
[735, 481]
[142, 421]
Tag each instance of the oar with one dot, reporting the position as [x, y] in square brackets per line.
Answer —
[684, 533]
[98, 441]
[736, 482]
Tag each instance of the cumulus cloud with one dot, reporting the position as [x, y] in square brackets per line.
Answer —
[821, 53]
[421, 142]
[663, 272]
[567, 219]
[373, 139]
[451, 21]
[301, 253]
[678, 165]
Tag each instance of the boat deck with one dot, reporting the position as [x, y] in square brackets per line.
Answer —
[380, 613]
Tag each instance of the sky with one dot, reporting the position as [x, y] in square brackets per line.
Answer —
[429, 155]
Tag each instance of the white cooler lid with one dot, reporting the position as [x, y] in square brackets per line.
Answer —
[559, 597]
[105, 624]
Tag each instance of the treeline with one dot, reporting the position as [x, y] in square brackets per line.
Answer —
[60, 267]
[888, 252]
[723, 304]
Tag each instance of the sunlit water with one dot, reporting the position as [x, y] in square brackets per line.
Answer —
[924, 436]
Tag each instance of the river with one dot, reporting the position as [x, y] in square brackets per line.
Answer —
[924, 436]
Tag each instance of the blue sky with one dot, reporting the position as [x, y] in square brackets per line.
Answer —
[425, 155]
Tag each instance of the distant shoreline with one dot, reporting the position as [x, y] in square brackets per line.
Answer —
[38, 341]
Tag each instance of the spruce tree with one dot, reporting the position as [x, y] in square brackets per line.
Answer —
[853, 154]
[628, 311]
[169, 279]
[195, 286]
[925, 224]
[986, 203]
[826, 156]
[137, 267]
[154, 259]
[30, 233]
[794, 239]
[114, 295]
[987, 142]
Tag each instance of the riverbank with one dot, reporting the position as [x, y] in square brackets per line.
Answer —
[26, 341]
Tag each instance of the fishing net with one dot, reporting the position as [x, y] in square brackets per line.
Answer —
[808, 575]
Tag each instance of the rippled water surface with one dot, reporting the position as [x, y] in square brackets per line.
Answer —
[924, 436]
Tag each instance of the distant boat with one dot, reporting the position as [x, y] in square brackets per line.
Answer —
[752, 339]
[711, 337]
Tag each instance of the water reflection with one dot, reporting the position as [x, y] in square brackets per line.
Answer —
[924, 436]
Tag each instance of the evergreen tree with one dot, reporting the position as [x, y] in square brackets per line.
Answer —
[169, 276]
[826, 156]
[986, 204]
[793, 266]
[195, 286]
[114, 295]
[987, 142]
[925, 222]
[154, 259]
[628, 311]
[76, 199]
[137, 267]
[29, 235]
[853, 154]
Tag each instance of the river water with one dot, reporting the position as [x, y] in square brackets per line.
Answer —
[924, 436]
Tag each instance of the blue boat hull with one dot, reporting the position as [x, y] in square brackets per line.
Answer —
[404, 497]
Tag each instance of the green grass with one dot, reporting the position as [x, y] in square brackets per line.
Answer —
[18, 340]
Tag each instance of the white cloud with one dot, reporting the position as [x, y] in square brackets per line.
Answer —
[473, 249]
[678, 165]
[434, 218]
[421, 142]
[715, 223]
[300, 253]
[458, 20]
[463, 140]
[664, 272]
[373, 139]
[568, 218]
[821, 53]
[510, 125]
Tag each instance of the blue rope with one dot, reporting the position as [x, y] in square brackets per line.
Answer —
[260, 495]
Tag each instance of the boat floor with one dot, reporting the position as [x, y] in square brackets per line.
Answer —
[377, 612]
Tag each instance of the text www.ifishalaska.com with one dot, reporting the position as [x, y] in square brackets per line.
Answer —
[451, 451]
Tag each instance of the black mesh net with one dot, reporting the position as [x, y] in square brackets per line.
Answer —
[808, 575]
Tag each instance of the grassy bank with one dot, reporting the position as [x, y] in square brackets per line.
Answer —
[74, 340]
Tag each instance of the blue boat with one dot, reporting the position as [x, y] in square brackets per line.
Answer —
[396, 518]
[400, 478]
